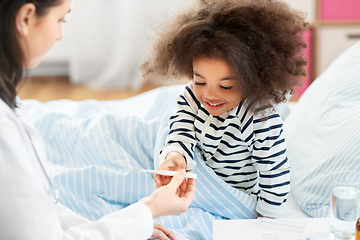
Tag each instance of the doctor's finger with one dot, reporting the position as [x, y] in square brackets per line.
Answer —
[177, 180]
[190, 191]
[182, 188]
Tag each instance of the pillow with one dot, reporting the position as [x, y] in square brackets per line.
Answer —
[323, 133]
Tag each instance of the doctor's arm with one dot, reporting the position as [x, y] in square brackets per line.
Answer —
[135, 221]
[27, 212]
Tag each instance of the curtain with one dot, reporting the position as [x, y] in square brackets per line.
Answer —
[108, 39]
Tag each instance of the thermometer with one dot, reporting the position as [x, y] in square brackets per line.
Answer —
[167, 173]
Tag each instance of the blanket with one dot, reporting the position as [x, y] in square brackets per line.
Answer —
[94, 149]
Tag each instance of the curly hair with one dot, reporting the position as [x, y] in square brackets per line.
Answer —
[261, 40]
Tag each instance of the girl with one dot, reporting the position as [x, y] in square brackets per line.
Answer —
[29, 204]
[244, 57]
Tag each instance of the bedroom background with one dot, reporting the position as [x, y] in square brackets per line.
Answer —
[105, 42]
[103, 46]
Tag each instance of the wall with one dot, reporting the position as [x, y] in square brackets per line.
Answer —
[56, 62]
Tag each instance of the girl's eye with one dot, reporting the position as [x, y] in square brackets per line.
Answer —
[198, 83]
[63, 20]
[226, 88]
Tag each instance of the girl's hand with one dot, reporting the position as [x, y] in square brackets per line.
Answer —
[163, 233]
[174, 162]
[171, 199]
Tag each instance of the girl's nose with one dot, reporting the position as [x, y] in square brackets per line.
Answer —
[210, 93]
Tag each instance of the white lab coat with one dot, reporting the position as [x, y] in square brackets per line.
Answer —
[27, 211]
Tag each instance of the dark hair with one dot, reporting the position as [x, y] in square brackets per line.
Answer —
[261, 40]
[11, 55]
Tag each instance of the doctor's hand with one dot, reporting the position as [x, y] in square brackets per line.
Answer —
[174, 161]
[170, 199]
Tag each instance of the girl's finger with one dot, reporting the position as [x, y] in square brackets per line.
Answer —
[160, 235]
[164, 230]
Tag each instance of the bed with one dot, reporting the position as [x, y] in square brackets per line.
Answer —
[94, 149]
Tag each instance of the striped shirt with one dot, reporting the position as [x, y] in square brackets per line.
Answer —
[246, 149]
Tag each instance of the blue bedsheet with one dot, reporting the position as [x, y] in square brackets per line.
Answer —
[94, 149]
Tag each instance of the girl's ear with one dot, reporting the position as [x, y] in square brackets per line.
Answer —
[24, 17]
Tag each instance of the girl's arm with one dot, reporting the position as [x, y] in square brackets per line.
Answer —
[181, 137]
[269, 158]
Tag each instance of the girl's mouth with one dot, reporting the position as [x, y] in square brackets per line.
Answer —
[214, 106]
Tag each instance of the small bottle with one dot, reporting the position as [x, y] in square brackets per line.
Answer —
[357, 230]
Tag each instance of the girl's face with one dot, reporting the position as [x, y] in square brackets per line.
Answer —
[215, 86]
[42, 33]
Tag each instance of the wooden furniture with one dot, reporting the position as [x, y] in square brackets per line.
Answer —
[334, 27]
[337, 27]
[54, 88]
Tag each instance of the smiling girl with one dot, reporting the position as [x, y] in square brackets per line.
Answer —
[243, 57]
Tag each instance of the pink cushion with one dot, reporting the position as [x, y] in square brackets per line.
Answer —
[340, 10]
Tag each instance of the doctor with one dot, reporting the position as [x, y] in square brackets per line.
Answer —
[29, 208]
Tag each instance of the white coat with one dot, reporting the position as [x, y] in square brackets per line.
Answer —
[26, 209]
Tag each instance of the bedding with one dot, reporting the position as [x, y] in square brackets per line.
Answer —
[94, 149]
[323, 134]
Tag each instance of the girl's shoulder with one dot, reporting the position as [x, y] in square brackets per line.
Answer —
[190, 97]
[267, 115]
[245, 111]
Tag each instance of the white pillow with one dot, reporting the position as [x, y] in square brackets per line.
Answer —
[323, 132]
